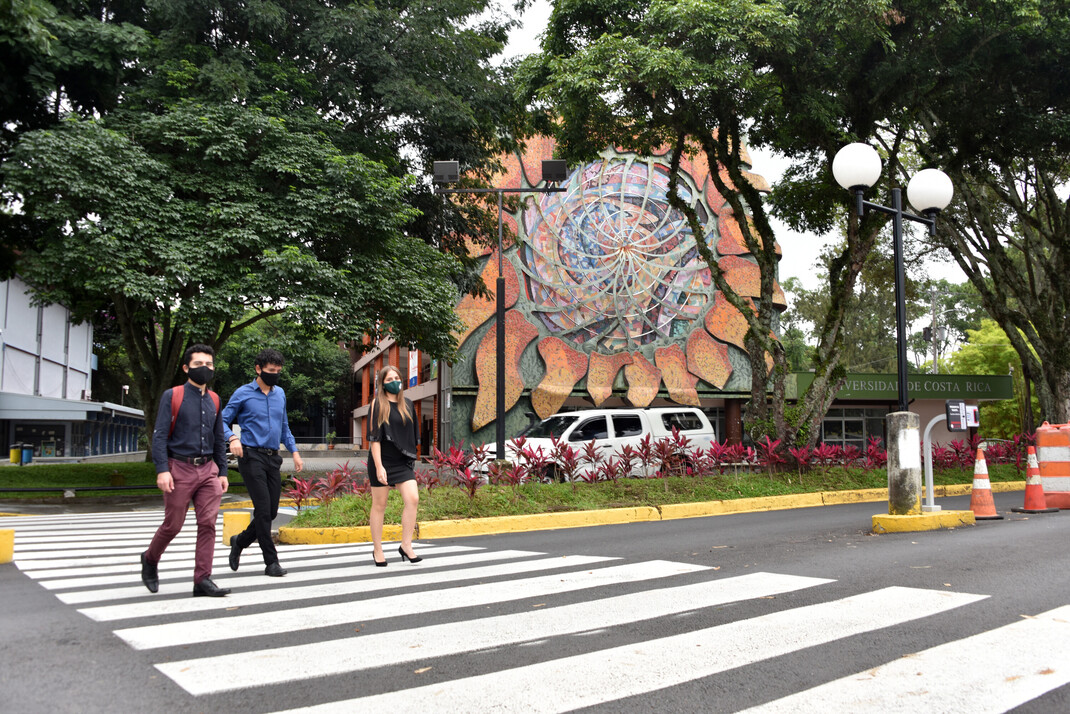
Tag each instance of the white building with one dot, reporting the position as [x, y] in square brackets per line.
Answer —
[46, 372]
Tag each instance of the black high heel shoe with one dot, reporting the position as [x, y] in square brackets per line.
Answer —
[405, 557]
[378, 563]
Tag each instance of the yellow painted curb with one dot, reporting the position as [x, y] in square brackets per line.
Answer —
[357, 534]
[536, 522]
[671, 511]
[249, 504]
[460, 528]
[233, 524]
[1005, 486]
[887, 523]
[20, 515]
[7, 545]
[862, 495]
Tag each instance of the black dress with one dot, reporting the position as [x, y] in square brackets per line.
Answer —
[395, 437]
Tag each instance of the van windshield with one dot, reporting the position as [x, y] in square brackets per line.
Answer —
[549, 428]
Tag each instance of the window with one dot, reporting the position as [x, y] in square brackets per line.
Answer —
[852, 427]
[627, 425]
[683, 421]
[548, 429]
[591, 429]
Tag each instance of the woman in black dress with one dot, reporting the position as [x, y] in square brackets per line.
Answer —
[394, 436]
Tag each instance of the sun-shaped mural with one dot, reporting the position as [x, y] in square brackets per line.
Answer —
[609, 262]
[607, 277]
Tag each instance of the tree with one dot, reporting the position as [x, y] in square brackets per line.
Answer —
[182, 223]
[800, 77]
[316, 374]
[217, 163]
[53, 61]
[989, 351]
[1000, 128]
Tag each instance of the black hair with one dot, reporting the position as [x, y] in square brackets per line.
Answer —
[198, 347]
[269, 356]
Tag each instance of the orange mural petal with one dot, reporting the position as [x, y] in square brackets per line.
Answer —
[564, 367]
[643, 381]
[732, 241]
[475, 311]
[745, 278]
[725, 322]
[681, 384]
[708, 359]
[518, 333]
[601, 373]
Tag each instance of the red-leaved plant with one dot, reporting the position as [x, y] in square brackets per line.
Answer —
[469, 481]
[300, 491]
[769, 455]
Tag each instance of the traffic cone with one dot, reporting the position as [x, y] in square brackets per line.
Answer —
[981, 502]
[1034, 488]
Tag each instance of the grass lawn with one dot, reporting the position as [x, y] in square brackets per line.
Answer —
[80, 476]
[449, 502]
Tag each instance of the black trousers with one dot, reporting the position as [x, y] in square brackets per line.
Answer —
[262, 478]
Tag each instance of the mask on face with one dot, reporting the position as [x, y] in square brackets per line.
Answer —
[393, 387]
[201, 375]
[269, 378]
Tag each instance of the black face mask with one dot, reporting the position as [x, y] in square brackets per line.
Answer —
[269, 378]
[201, 375]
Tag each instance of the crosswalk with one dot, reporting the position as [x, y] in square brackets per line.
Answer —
[560, 632]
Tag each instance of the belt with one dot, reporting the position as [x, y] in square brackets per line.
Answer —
[192, 460]
[262, 450]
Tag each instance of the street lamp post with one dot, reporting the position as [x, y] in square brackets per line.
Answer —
[856, 168]
[447, 172]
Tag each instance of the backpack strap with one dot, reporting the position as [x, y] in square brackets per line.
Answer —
[176, 401]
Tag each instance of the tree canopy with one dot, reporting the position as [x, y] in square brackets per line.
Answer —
[190, 168]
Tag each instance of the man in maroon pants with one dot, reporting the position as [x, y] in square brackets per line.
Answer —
[189, 453]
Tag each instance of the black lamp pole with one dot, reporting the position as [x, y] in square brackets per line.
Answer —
[898, 214]
[445, 172]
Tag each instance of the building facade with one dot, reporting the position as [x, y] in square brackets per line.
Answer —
[46, 372]
[609, 304]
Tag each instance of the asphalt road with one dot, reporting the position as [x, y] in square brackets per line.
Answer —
[712, 614]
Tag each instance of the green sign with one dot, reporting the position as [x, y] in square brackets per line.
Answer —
[883, 387]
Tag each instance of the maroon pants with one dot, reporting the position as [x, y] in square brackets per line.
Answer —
[199, 484]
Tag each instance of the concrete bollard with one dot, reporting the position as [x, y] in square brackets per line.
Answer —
[234, 522]
[904, 464]
[7, 545]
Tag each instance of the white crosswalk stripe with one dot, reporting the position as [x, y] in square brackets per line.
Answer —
[272, 631]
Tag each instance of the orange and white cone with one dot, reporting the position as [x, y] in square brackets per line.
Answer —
[1034, 488]
[981, 502]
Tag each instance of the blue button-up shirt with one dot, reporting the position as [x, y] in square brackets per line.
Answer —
[262, 417]
[198, 430]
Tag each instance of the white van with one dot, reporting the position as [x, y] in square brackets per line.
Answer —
[612, 429]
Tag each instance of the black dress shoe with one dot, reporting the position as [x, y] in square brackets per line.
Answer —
[275, 570]
[405, 556]
[149, 575]
[206, 588]
[235, 553]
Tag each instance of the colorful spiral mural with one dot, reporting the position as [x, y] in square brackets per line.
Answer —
[608, 290]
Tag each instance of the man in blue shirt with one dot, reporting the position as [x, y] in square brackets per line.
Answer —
[259, 408]
[191, 465]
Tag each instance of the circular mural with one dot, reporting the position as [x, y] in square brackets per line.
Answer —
[609, 262]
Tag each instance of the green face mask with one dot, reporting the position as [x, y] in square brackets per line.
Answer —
[393, 387]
